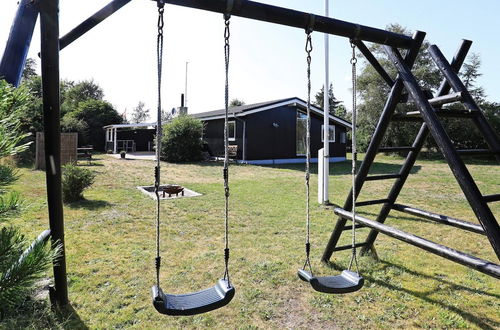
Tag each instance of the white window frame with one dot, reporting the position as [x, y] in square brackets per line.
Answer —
[229, 138]
[299, 116]
[330, 133]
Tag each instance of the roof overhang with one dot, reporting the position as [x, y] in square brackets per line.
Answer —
[137, 125]
[290, 102]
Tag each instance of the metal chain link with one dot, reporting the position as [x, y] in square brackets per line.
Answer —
[226, 150]
[159, 57]
[308, 49]
[353, 62]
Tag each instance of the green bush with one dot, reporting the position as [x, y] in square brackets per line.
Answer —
[20, 266]
[9, 203]
[182, 140]
[74, 181]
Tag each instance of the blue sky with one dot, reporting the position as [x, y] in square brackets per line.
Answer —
[267, 60]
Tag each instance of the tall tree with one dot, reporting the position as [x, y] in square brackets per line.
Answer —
[140, 114]
[236, 103]
[335, 106]
[80, 92]
[463, 132]
[373, 91]
[29, 69]
[95, 114]
[470, 73]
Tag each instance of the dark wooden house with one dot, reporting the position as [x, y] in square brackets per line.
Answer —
[273, 132]
[130, 137]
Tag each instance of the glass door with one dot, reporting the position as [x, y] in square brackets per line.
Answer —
[301, 133]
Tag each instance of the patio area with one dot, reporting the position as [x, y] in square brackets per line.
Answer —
[141, 155]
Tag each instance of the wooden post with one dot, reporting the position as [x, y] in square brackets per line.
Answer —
[49, 26]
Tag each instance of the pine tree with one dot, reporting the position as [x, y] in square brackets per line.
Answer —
[336, 107]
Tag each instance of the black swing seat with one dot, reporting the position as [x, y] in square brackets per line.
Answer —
[346, 282]
[193, 303]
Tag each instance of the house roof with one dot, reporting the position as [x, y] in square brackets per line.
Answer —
[130, 125]
[244, 110]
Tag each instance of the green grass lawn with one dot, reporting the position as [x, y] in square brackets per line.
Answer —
[110, 242]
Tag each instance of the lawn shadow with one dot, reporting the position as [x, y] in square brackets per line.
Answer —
[480, 321]
[89, 204]
[344, 168]
[93, 163]
[70, 318]
[398, 215]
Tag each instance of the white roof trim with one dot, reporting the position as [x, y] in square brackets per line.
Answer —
[130, 125]
[288, 102]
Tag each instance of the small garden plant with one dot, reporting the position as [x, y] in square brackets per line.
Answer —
[74, 181]
[182, 140]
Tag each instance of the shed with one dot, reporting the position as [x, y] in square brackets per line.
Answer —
[130, 137]
[273, 132]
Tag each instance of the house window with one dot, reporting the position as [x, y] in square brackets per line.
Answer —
[301, 142]
[331, 133]
[342, 137]
[231, 130]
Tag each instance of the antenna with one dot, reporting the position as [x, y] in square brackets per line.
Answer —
[186, 86]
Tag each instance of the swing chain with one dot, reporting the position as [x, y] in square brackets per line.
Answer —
[353, 62]
[226, 149]
[159, 56]
[308, 49]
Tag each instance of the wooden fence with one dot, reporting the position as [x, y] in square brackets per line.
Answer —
[69, 143]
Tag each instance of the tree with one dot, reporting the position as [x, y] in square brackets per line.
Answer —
[74, 94]
[139, 113]
[29, 69]
[95, 114]
[19, 270]
[373, 92]
[236, 103]
[334, 104]
[469, 74]
[464, 133]
[182, 140]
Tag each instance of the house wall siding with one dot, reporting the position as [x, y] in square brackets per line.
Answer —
[140, 136]
[264, 141]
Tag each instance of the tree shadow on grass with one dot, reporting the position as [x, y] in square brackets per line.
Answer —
[480, 321]
[71, 319]
[38, 314]
[344, 168]
[85, 163]
[88, 204]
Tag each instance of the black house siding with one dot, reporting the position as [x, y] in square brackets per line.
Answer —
[140, 136]
[213, 134]
[265, 141]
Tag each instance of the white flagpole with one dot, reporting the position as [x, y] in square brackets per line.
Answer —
[326, 117]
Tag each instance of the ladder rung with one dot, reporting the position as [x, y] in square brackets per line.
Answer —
[415, 115]
[350, 227]
[382, 177]
[459, 113]
[445, 99]
[395, 149]
[372, 202]
[478, 152]
[491, 198]
[348, 247]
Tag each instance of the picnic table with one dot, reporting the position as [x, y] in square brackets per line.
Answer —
[85, 153]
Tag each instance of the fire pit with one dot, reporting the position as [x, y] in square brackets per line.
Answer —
[171, 189]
